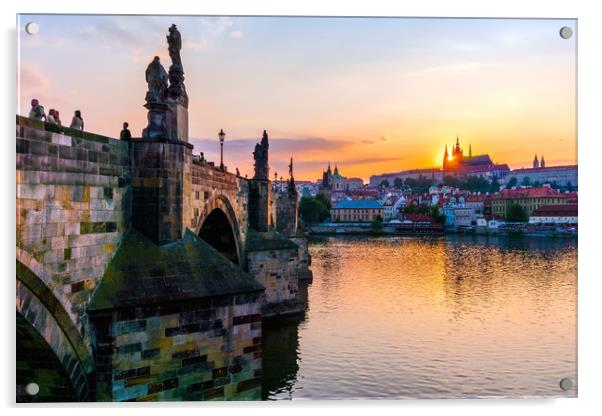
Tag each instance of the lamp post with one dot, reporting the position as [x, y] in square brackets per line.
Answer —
[221, 136]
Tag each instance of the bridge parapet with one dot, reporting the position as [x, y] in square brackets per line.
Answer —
[72, 206]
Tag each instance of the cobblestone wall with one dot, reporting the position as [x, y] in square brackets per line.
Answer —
[202, 350]
[72, 206]
[277, 270]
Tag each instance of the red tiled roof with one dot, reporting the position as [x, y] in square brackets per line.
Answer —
[560, 210]
[529, 193]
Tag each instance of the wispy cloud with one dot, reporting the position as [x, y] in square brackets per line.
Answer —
[460, 67]
[236, 34]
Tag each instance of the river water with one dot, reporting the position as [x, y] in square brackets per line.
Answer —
[455, 316]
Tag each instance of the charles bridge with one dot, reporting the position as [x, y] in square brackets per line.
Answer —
[143, 271]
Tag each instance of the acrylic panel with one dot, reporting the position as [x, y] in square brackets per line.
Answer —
[268, 208]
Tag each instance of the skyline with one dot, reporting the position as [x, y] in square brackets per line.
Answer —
[374, 95]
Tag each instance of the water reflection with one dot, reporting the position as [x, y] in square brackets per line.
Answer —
[454, 316]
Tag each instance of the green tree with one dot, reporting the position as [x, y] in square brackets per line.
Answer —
[312, 210]
[436, 214]
[384, 183]
[516, 213]
[377, 224]
[526, 181]
[494, 186]
[451, 181]
[569, 186]
[398, 183]
[511, 183]
[324, 200]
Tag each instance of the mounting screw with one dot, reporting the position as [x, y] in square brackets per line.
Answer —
[566, 32]
[32, 389]
[32, 28]
[566, 384]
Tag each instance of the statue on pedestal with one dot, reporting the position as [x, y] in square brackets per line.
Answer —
[156, 97]
[176, 90]
[261, 158]
[156, 77]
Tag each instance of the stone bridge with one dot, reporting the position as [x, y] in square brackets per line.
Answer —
[143, 272]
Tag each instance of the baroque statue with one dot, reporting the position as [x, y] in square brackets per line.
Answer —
[156, 77]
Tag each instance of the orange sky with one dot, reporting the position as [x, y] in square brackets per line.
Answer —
[373, 95]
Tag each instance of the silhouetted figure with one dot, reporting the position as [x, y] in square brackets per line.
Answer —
[37, 111]
[52, 116]
[77, 122]
[125, 133]
[58, 118]
[202, 157]
[156, 77]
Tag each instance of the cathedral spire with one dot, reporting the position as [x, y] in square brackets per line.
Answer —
[542, 164]
[535, 162]
[470, 150]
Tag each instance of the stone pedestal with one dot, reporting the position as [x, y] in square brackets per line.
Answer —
[177, 121]
[158, 170]
[157, 121]
[259, 204]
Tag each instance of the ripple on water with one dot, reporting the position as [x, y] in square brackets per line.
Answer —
[430, 318]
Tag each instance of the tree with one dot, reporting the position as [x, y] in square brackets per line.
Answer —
[324, 200]
[526, 181]
[384, 183]
[377, 224]
[312, 210]
[511, 183]
[436, 214]
[569, 186]
[398, 183]
[494, 186]
[516, 213]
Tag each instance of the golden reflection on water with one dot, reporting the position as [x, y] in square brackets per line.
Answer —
[430, 318]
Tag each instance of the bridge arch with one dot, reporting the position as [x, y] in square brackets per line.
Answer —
[218, 226]
[47, 334]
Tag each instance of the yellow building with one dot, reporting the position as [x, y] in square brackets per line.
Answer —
[529, 199]
[365, 210]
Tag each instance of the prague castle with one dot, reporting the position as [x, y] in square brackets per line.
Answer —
[458, 164]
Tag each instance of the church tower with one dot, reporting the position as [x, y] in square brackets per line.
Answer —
[542, 164]
[470, 150]
[535, 162]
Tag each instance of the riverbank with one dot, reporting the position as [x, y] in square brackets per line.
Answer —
[436, 230]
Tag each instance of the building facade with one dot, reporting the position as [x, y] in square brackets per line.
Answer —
[564, 176]
[529, 199]
[555, 215]
[357, 211]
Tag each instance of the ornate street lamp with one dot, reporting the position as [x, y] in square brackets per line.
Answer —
[221, 136]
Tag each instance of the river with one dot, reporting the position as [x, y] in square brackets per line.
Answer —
[446, 317]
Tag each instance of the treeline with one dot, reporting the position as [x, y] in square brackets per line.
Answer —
[314, 209]
[423, 183]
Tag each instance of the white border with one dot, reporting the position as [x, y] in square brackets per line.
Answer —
[590, 152]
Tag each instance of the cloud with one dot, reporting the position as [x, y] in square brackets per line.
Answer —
[461, 67]
[31, 79]
[236, 34]
[111, 30]
[367, 142]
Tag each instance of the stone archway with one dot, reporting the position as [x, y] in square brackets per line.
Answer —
[217, 225]
[43, 325]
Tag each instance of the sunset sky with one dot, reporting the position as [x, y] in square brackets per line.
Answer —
[374, 95]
